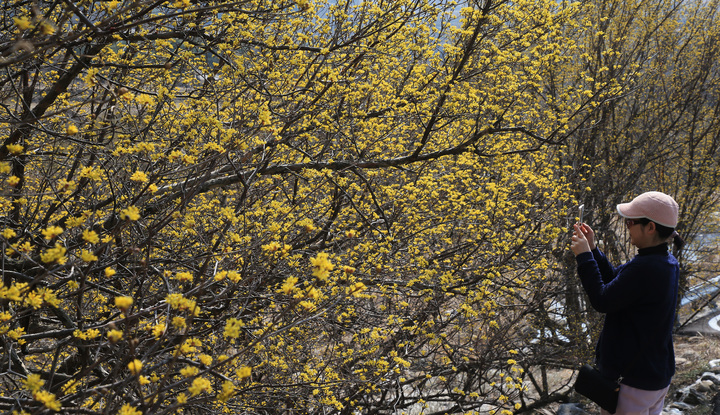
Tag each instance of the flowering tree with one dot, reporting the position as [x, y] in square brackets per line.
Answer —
[274, 206]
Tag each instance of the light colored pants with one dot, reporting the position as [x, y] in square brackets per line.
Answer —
[633, 401]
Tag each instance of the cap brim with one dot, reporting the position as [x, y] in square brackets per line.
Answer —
[626, 211]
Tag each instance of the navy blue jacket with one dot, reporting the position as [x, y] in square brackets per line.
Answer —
[639, 300]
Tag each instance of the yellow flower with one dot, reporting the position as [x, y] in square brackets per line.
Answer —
[144, 99]
[90, 173]
[313, 293]
[184, 276]
[109, 272]
[56, 254]
[33, 382]
[264, 114]
[303, 4]
[13, 292]
[72, 129]
[73, 222]
[33, 300]
[47, 28]
[65, 185]
[179, 323]
[178, 302]
[112, 5]
[114, 336]
[123, 302]
[356, 289]
[127, 409]
[200, 385]
[244, 372]
[189, 371]
[16, 334]
[159, 330]
[91, 236]
[25, 247]
[321, 266]
[288, 286]
[13, 181]
[22, 22]
[139, 176]
[88, 256]
[228, 390]
[234, 276]
[49, 297]
[307, 305]
[232, 328]
[15, 148]
[47, 399]
[51, 232]
[87, 335]
[135, 366]
[8, 233]
[131, 213]
[271, 247]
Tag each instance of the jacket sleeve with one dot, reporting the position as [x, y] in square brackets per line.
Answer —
[620, 289]
[607, 271]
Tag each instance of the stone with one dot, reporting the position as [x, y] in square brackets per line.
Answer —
[681, 406]
[709, 376]
[672, 411]
[571, 409]
[704, 386]
[690, 396]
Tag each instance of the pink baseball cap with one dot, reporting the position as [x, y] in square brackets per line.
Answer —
[656, 206]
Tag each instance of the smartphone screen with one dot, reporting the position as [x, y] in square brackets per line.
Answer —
[581, 212]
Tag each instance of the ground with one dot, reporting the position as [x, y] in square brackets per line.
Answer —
[693, 355]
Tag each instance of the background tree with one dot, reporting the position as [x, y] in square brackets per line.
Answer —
[659, 133]
[306, 206]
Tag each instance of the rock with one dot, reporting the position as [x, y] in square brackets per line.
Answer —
[715, 363]
[704, 386]
[571, 409]
[712, 377]
[681, 361]
[672, 411]
[690, 396]
[682, 406]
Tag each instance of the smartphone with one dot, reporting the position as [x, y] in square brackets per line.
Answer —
[581, 212]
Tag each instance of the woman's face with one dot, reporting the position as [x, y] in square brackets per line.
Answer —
[642, 236]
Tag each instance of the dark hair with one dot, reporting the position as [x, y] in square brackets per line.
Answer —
[665, 232]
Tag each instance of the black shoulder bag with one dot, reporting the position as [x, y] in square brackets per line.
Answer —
[593, 385]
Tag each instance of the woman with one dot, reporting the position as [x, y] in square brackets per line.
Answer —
[639, 300]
